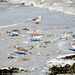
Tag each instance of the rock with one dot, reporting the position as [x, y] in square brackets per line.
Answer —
[26, 29]
[11, 57]
[73, 36]
[67, 66]
[71, 57]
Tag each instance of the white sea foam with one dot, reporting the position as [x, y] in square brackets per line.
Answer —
[58, 61]
[8, 26]
[64, 6]
[61, 56]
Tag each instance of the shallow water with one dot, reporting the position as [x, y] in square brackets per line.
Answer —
[64, 6]
[18, 17]
[11, 14]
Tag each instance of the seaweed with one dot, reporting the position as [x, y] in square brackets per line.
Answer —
[47, 42]
[10, 71]
[26, 29]
[67, 69]
[72, 57]
[49, 35]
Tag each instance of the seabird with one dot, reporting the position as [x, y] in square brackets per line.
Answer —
[20, 49]
[14, 32]
[36, 20]
[36, 35]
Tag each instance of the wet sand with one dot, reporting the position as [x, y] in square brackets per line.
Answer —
[52, 44]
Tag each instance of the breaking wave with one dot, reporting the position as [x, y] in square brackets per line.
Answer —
[64, 6]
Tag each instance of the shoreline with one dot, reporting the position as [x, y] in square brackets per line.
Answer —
[55, 41]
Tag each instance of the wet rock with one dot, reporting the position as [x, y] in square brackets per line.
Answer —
[25, 59]
[26, 29]
[46, 42]
[11, 70]
[6, 72]
[71, 57]
[30, 52]
[67, 66]
[11, 57]
[73, 36]
[67, 69]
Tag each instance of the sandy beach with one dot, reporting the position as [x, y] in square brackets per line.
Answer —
[57, 29]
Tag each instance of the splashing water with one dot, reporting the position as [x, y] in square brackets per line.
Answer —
[64, 6]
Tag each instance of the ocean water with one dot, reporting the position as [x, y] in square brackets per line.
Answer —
[55, 12]
[64, 6]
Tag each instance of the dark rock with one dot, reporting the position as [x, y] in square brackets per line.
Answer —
[67, 69]
[6, 72]
[67, 65]
[11, 57]
[26, 29]
[72, 57]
